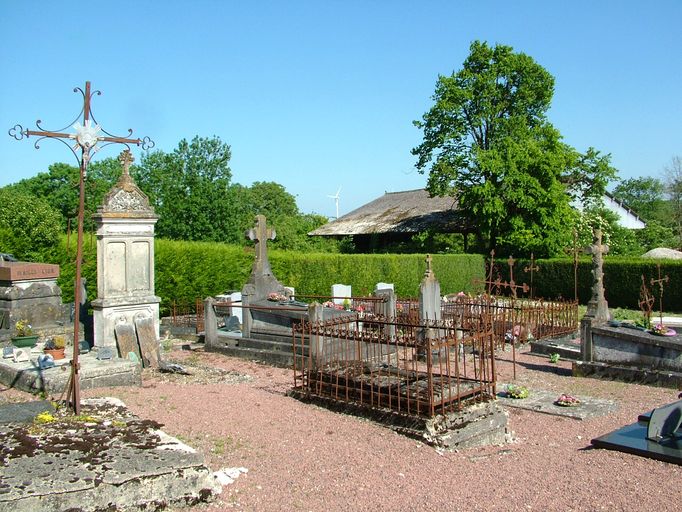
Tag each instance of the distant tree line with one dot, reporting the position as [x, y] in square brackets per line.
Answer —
[190, 188]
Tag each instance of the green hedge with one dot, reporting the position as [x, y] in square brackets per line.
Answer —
[185, 271]
[622, 280]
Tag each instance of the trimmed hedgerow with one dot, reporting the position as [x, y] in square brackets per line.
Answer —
[622, 280]
[185, 271]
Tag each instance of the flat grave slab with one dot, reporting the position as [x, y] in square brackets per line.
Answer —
[543, 402]
[111, 460]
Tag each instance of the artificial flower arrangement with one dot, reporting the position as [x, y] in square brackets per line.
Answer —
[567, 401]
[662, 330]
[277, 297]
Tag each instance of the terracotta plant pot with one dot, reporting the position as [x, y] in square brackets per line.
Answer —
[25, 341]
[56, 353]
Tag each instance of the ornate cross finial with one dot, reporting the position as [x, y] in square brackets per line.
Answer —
[261, 234]
[126, 158]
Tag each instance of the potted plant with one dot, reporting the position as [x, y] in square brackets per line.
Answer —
[24, 336]
[55, 347]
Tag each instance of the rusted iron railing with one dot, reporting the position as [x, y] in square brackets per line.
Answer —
[185, 314]
[413, 368]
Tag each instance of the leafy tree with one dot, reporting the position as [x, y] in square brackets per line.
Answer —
[59, 187]
[189, 188]
[488, 143]
[646, 196]
[28, 224]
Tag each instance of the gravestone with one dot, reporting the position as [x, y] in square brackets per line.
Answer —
[597, 308]
[149, 344]
[429, 308]
[29, 291]
[126, 339]
[261, 316]
[339, 291]
[125, 260]
[383, 286]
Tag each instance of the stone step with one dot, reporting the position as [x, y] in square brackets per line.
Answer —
[278, 358]
[565, 350]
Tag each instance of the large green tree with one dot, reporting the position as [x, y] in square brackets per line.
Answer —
[487, 142]
[646, 196]
[189, 189]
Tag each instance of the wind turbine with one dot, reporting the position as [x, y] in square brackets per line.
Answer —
[336, 200]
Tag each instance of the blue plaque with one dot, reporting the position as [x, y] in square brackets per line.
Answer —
[105, 353]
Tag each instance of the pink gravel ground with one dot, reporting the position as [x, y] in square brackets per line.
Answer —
[303, 457]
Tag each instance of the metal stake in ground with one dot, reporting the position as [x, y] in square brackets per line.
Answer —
[660, 282]
[87, 138]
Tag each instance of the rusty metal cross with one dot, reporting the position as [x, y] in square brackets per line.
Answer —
[531, 268]
[87, 138]
[660, 282]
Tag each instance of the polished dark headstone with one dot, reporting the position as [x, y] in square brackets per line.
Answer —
[656, 435]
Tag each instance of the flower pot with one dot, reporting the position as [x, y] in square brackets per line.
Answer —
[56, 353]
[25, 341]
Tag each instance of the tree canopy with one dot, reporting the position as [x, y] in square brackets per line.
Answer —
[487, 142]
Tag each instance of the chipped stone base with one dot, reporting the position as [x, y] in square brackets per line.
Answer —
[26, 376]
[133, 467]
[476, 425]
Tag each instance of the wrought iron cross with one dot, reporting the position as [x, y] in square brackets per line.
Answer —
[646, 301]
[660, 282]
[86, 138]
[261, 234]
[512, 284]
[531, 268]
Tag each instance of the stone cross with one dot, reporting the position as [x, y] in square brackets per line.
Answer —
[429, 268]
[126, 158]
[261, 234]
[597, 307]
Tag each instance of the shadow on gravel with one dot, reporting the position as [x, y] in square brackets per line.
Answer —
[547, 368]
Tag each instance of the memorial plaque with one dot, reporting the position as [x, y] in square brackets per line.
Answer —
[7, 352]
[126, 340]
[21, 356]
[83, 347]
[149, 345]
[22, 271]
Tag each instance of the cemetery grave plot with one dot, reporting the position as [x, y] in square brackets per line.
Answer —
[419, 369]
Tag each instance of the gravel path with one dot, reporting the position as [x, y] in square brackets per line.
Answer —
[303, 457]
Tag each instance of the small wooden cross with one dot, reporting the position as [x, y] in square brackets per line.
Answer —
[532, 268]
[660, 282]
[261, 234]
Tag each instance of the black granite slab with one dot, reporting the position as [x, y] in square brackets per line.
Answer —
[632, 439]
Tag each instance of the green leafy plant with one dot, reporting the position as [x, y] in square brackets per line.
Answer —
[554, 358]
[23, 328]
[516, 391]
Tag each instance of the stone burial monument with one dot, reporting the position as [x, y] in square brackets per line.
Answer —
[29, 292]
[269, 311]
[126, 311]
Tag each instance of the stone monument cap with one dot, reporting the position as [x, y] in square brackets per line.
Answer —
[25, 271]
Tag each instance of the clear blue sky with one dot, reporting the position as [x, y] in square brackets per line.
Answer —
[321, 95]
